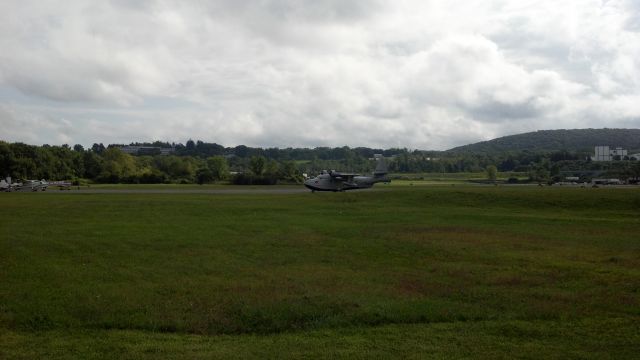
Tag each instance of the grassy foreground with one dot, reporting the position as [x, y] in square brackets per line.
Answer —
[407, 272]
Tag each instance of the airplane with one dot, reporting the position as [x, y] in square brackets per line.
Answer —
[33, 185]
[8, 186]
[337, 181]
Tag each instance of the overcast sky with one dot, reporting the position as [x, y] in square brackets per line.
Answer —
[423, 74]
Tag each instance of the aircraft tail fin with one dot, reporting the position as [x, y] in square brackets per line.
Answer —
[381, 167]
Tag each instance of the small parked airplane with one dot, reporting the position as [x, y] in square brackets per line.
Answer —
[33, 185]
[7, 185]
[336, 181]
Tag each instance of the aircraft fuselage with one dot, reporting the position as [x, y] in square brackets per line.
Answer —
[325, 182]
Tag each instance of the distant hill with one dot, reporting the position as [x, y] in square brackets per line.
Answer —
[554, 140]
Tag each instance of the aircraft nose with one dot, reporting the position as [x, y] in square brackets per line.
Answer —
[311, 181]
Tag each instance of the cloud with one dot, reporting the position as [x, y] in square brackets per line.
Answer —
[34, 128]
[470, 74]
[420, 74]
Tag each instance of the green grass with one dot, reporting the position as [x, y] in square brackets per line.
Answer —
[418, 179]
[443, 271]
[216, 186]
[486, 339]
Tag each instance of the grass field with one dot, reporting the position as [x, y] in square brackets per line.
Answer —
[215, 186]
[455, 178]
[410, 272]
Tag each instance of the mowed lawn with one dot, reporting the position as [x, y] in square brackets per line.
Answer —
[415, 272]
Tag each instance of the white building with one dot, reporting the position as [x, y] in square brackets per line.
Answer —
[603, 153]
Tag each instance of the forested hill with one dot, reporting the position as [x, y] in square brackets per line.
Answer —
[556, 140]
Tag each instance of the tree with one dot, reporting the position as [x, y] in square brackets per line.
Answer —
[118, 166]
[92, 165]
[7, 160]
[60, 163]
[97, 148]
[540, 172]
[178, 168]
[492, 173]
[218, 167]
[289, 172]
[635, 171]
[272, 169]
[240, 151]
[257, 165]
[204, 175]
[191, 147]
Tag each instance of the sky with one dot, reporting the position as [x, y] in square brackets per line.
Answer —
[421, 74]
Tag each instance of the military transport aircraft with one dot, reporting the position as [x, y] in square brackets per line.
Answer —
[337, 181]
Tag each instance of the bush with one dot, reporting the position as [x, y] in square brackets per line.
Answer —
[154, 177]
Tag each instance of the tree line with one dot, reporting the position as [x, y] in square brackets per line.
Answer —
[200, 162]
[555, 140]
[109, 164]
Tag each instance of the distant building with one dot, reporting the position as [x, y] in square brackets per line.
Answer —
[603, 153]
[146, 150]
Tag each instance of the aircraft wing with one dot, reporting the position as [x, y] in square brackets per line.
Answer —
[342, 176]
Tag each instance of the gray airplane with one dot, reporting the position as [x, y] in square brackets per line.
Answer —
[26, 185]
[34, 185]
[337, 181]
[8, 186]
